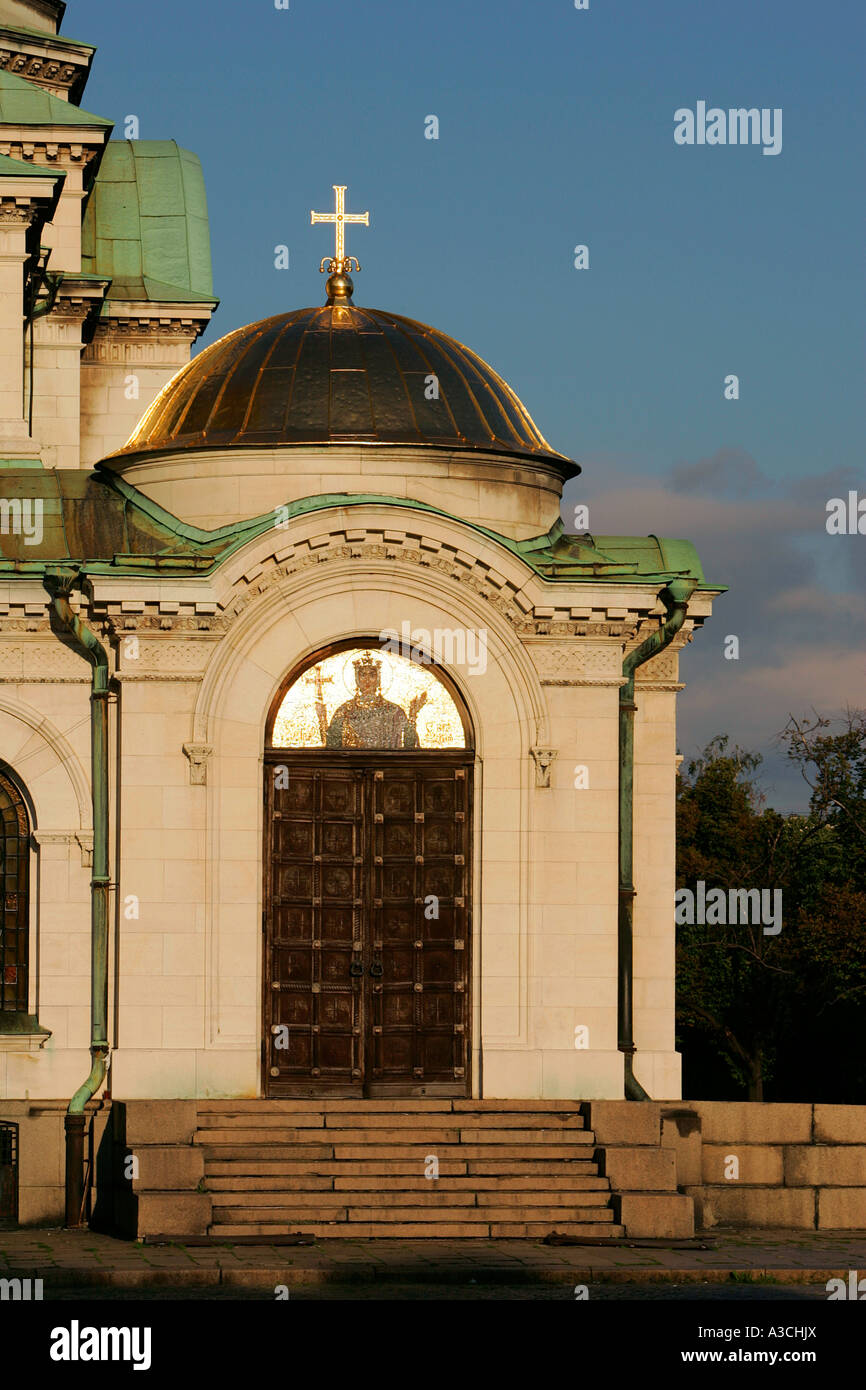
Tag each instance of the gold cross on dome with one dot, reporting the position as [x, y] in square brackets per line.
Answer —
[340, 262]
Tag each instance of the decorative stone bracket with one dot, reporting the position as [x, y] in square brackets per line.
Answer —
[544, 759]
[198, 754]
[83, 838]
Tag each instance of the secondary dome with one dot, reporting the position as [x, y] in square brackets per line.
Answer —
[336, 375]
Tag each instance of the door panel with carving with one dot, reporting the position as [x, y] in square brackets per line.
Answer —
[313, 909]
[367, 925]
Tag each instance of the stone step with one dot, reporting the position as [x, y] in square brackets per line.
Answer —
[291, 1212]
[357, 1170]
[528, 1229]
[542, 1198]
[296, 1182]
[554, 1183]
[301, 1105]
[226, 1161]
[248, 1153]
[265, 1138]
[305, 1182]
[254, 1166]
[409, 1107]
[284, 1200]
[358, 1134]
[301, 1119]
[515, 1164]
[399, 1198]
[504, 1107]
[359, 1120]
[515, 1151]
[414, 1230]
[226, 1229]
[494, 1158]
[473, 1135]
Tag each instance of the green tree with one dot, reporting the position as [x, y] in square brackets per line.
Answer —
[732, 979]
[778, 1011]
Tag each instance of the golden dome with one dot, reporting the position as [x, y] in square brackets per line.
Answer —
[337, 375]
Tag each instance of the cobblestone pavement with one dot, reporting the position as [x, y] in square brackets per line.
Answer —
[729, 1264]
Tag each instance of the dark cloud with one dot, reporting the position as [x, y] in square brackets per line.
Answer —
[796, 598]
[729, 472]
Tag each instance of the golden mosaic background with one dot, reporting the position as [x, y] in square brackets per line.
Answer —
[333, 681]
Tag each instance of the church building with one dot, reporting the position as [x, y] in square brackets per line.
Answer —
[337, 778]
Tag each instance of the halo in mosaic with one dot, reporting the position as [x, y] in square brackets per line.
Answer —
[365, 698]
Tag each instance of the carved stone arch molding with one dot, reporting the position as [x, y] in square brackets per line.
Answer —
[284, 624]
[432, 544]
[48, 766]
[339, 586]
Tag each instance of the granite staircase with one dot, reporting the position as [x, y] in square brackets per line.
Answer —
[363, 1169]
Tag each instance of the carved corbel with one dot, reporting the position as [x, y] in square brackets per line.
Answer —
[198, 754]
[84, 839]
[544, 759]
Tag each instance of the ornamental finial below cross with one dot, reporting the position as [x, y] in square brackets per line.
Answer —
[340, 263]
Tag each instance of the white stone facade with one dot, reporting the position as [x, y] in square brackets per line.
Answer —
[200, 662]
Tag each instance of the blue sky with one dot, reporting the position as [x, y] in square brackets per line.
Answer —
[556, 129]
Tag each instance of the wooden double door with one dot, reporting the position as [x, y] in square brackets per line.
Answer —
[367, 923]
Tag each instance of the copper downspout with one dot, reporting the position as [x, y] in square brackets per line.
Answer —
[70, 630]
[675, 597]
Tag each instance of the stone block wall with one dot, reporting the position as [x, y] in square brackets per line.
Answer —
[742, 1163]
[797, 1166]
[42, 1155]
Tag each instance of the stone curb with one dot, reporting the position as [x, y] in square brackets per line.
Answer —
[355, 1273]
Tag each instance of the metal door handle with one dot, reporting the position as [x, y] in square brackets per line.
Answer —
[377, 969]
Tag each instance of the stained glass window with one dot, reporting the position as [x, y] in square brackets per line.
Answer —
[366, 698]
[14, 923]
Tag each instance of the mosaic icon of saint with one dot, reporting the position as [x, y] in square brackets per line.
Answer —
[368, 720]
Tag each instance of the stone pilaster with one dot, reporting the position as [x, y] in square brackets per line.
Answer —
[24, 203]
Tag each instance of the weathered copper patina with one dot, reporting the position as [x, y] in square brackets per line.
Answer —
[335, 375]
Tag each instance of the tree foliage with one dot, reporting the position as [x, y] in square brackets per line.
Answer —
[777, 1016]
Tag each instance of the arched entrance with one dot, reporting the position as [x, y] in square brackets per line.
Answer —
[368, 879]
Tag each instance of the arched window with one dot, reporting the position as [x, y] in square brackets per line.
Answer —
[369, 697]
[14, 903]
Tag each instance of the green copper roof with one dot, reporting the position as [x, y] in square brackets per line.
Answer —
[22, 103]
[557, 555]
[83, 519]
[146, 223]
[17, 168]
[101, 521]
[51, 181]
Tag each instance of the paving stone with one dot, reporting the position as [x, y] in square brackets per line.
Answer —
[70, 1258]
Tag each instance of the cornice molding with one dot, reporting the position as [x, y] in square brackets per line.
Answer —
[178, 324]
[348, 547]
[380, 547]
[32, 59]
[58, 148]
